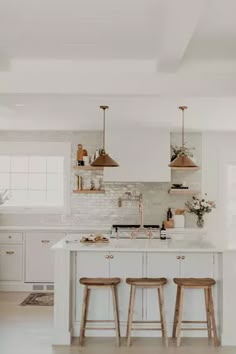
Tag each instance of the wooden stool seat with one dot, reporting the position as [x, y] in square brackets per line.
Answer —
[194, 282]
[99, 281]
[155, 283]
[93, 283]
[145, 282]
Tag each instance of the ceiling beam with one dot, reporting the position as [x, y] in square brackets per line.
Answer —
[180, 19]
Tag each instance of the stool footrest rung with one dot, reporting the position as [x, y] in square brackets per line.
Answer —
[146, 321]
[194, 329]
[193, 321]
[146, 329]
[98, 328]
[99, 321]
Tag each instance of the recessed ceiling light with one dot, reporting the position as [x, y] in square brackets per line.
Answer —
[19, 104]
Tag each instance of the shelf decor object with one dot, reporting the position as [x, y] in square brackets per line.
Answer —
[183, 161]
[104, 160]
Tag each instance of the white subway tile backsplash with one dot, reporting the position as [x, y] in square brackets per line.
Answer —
[100, 209]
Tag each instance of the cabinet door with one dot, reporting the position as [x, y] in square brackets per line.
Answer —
[127, 265]
[195, 265]
[39, 258]
[142, 154]
[160, 265]
[11, 262]
[92, 265]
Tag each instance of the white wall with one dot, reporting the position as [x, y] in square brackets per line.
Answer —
[219, 150]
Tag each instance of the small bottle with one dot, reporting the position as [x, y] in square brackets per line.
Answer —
[169, 214]
[163, 232]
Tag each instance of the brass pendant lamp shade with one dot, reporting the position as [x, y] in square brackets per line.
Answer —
[183, 161]
[104, 160]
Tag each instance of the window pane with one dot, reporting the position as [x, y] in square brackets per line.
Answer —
[4, 163]
[55, 164]
[19, 180]
[55, 181]
[37, 181]
[37, 197]
[19, 198]
[55, 198]
[19, 163]
[4, 180]
[37, 163]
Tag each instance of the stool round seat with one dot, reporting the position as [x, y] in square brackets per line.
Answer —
[194, 282]
[100, 281]
[146, 281]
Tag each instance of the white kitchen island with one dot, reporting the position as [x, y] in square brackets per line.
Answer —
[131, 258]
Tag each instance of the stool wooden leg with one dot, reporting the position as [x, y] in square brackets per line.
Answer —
[83, 314]
[212, 314]
[179, 317]
[116, 315]
[130, 314]
[208, 317]
[176, 312]
[162, 315]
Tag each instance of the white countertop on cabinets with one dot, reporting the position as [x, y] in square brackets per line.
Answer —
[72, 243]
[55, 228]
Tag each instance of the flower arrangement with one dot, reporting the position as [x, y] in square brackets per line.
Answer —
[180, 150]
[199, 206]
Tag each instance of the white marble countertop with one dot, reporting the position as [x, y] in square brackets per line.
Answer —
[55, 228]
[72, 243]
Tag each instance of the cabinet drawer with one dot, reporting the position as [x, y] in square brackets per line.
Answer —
[11, 237]
[11, 262]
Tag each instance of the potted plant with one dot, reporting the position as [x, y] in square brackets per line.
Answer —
[180, 150]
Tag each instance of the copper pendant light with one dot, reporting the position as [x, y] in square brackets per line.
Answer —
[183, 161]
[104, 160]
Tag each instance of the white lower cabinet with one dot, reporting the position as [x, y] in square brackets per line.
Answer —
[173, 265]
[92, 265]
[39, 258]
[127, 265]
[108, 264]
[11, 262]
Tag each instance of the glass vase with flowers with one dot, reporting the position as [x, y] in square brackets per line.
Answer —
[199, 206]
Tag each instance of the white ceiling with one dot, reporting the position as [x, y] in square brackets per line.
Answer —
[72, 112]
[61, 59]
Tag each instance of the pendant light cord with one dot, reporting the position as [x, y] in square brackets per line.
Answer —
[104, 129]
[183, 128]
[104, 125]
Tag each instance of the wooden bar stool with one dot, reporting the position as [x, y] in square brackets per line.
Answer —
[194, 283]
[91, 283]
[146, 283]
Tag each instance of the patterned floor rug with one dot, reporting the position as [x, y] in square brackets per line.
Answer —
[39, 299]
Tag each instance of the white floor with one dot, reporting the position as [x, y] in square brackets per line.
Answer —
[28, 330]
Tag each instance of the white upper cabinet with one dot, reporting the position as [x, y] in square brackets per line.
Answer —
[143, 154]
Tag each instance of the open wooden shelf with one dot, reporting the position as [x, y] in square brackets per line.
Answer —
[183, 191]
[185, 169]
[87, 168]
[89, 191]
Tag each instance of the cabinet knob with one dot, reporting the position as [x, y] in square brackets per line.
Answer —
[10, 252]
[111, 256]
[183, 257]
[9, 236]
[45, 241]
[178, 257]
[107, 256]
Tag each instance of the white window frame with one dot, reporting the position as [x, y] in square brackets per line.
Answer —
[40, 148]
